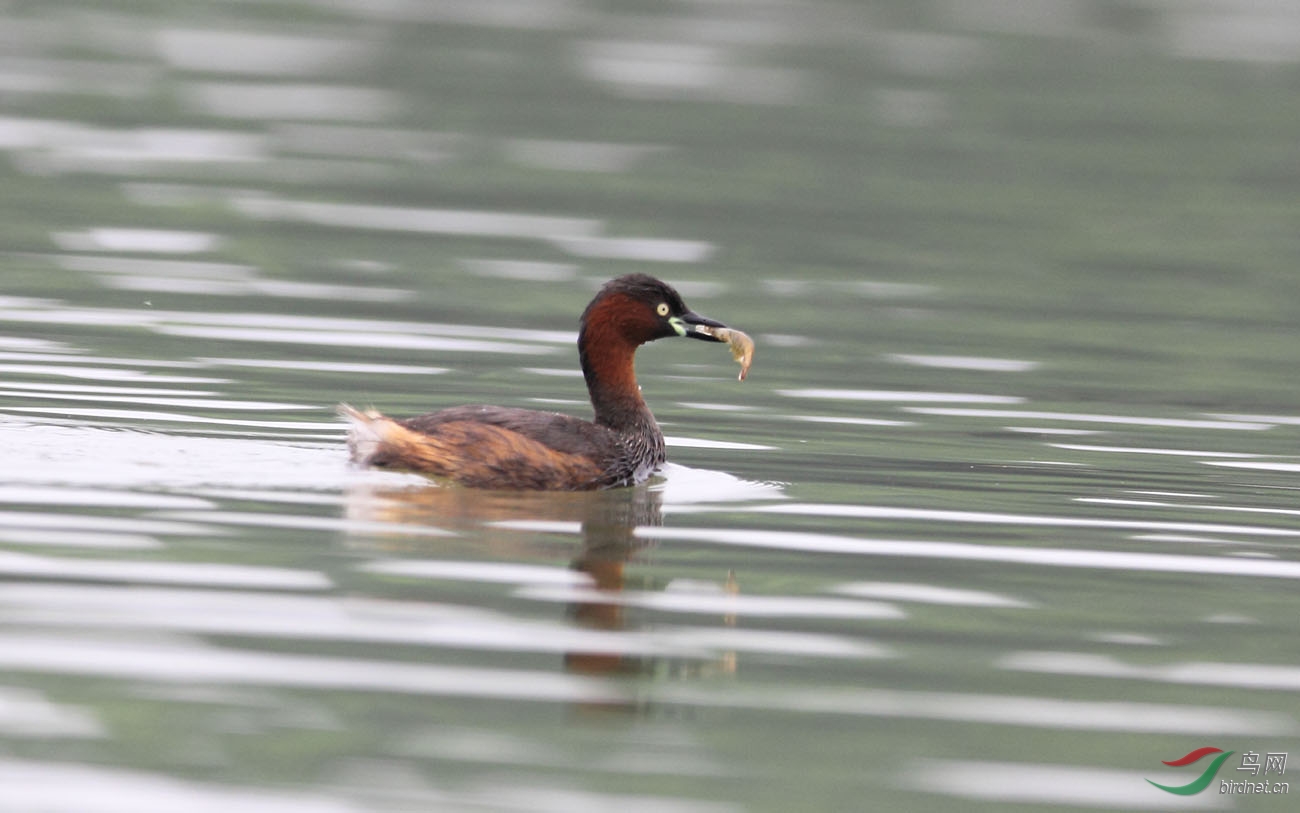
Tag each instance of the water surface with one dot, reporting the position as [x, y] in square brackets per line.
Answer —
[1002, 518]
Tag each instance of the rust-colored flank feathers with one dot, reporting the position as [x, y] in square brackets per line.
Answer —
[510, 448]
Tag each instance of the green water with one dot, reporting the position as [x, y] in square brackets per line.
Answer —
[1002, 518]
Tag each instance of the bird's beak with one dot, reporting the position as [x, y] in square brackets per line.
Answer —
[693, 326]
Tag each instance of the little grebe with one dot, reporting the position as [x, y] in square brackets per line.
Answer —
[510, 448]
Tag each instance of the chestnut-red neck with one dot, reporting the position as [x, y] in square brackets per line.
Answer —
[607, 355]
[608, 366]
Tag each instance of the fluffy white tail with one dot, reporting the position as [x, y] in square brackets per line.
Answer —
[366, 433]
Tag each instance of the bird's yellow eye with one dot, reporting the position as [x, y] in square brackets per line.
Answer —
[663, 309]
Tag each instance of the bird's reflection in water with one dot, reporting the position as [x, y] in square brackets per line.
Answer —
[608, 543]
[512, 527]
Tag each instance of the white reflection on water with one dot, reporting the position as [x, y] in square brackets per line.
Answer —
[541, 526]
[1289, 467]
[54, 787]
[260, 287]
[1052, 430]
[645, 69]
[1126, 639]
[78, 539]
[710, 603]
[1081, 447]
[40, 75]
[60, 495]
[1250, 32]
[988, 709]
[774, 642]
[302, 328]
[495, 572]
[368, 368]
[1205, 673]
[298, 101]
[1292, 420]
[1185, 539]
[1245, 509]
[849, 421]
[160, 241]
[289, 321]
[51, 387]
[77, 788]
[63, 415]
[391, 341]
[716, 406]
[508, 14]
[545, 798]
[1229, 618]
[965, 551]
[553, 372]
[108, 524]
[981, 363]
[26, 713]
[928, 594]
[1087, 417]
[994, 518]
[68, 356]
[463, 222]
[27, 343]
[681, 485]
[197, 403]
[707, 443]
[528, 270]
[869, 288]
[184, 661]
[461, 744]
[336, 524]
[46, 146]
[256, 52]
[374, 621]
[1037, 783]
[644, 249]
[315, 618]
[116, 461]
[199, 574]
[102, 374]
[901, 395]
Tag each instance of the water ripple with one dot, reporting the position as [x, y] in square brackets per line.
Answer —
[299, 617]
[715, 603]
[901, 395]
[387, 341]
[1044, 784]
[462, 222]
[46, 495]
[205, 574]
[27, 713]
[989, 709]
[980, 363]
[996, 518]
[965, 551]
[1081, 447]
[57, 787]
[197, 403]
[1085, 417]
[1277, 677]
[928, 594]
[177, 661]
